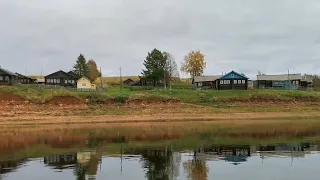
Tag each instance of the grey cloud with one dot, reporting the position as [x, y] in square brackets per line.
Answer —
[248, 35]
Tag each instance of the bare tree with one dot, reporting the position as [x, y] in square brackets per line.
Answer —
[172, 72]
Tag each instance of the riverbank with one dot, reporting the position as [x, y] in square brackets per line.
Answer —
[130, 95]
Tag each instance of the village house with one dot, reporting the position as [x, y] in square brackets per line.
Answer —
[282, 81]
[61, 78]
[205, 82]
[128, 81]
[85, 84]
[7, 77]
[25, 80]
[233, 80]
[229, 81]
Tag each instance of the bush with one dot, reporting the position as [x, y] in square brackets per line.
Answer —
[121, 98]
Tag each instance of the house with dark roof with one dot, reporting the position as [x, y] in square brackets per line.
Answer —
[72, 73]
[229, 81]
[128, 81]
[7, 77]
[61, 78]
[25, 80]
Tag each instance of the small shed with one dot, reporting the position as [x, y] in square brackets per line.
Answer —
[205, 82]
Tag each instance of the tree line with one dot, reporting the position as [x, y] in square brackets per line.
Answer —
[160, 66]
[85, 68]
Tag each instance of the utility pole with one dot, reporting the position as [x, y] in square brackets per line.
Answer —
[165, 80]
[100, 77]
[289, 80]
[170, 75]
[120, 79]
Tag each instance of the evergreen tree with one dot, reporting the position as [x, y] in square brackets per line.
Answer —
[81, 67]
[155, 64]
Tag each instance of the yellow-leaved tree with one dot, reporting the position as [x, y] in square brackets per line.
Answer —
[194, 64]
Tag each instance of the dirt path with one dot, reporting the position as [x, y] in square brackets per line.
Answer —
[45, 120]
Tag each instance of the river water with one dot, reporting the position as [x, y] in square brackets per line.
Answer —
[272, 162]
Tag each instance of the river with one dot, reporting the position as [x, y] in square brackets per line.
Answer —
[204, 162]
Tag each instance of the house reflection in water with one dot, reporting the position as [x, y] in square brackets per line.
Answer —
[285, 150]
[10, 166]
[234, 154]
[84, 164]
[61, 161]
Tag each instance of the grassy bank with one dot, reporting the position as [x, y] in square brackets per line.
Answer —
[127, 94]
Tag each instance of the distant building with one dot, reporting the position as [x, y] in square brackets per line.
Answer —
[280, 81]
[61, 78]
[40, 81]
[205, 82]
[128, 81]
[229, 81]
[7, 77]
[85, 84]
[25, 80]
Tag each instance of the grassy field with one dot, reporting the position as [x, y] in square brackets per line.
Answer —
[187, 95]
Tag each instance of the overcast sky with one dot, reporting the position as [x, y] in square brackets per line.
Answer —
[242, 35]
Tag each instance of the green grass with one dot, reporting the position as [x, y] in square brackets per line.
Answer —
[185, 95]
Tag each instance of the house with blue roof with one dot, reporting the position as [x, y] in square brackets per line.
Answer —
[233, 80]
[229, 81]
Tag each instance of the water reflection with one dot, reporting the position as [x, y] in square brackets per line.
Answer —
[84, 164]
[159, 163]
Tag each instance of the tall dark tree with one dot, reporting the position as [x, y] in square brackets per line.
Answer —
[155, 64]
[81, 67]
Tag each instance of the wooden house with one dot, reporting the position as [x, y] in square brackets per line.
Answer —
[72, 73]
[128, 81]
[61, 78]
[233, 81]
[7, 77]
[280, 81]
[25, 79]
[85, 84]
[205, 82]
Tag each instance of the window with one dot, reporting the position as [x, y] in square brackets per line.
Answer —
[239, 81]
[58, 81]
[235, 82]
[243, 81]
[54, 81]
[72, 81]
[84, 84]
[69, 81]
[226, 82]
[221, 82]
[1, 78]
[66, 81]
